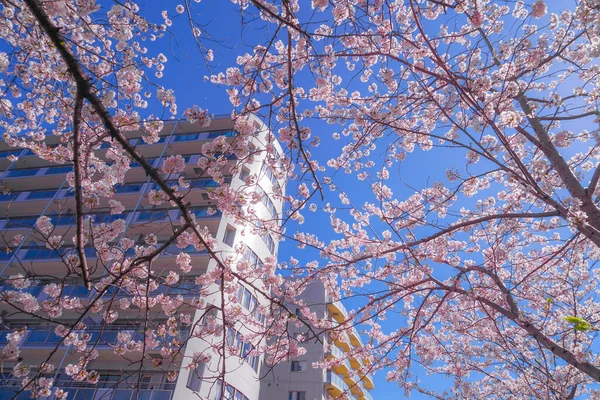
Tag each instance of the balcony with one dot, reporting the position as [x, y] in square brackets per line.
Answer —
[341, 340]
[366, 395]
[344, 367]
[44, 254]
[368, 381]
[335, 385]
[355, 338]
[83, 391]
[186, 288]
[337, 311]
[45, 171]
[99, 337]
[139, 217]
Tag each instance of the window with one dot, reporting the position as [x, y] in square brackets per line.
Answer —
[195, 378]
[36, 337]
[213, 135]
[295, 395]
[299, 366]
[229, 392]
[186, 138]
[229, 236]
[59, 170]
[9, 196]
[268, 172]
[22, 172]
[41, 194]
[244, 173]
[146, 379]
[266, 200]
[252, 258]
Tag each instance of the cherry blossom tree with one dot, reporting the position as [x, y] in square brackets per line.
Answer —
[485, 268]
[481, 270]
[75, 82]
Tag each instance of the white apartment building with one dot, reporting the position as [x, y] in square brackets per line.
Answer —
[32, 187]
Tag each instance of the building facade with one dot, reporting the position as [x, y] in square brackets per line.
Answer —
[298, 380]
[32, 187]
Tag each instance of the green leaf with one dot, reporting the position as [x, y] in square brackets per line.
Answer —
[579, 324]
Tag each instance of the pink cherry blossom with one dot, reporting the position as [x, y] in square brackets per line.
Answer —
[173, 165]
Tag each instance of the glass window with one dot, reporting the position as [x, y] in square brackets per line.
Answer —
[213, 135]
[129, 188]
[10, 153]
[108, 337]
[63, 169]
[230, 339]
[20, 222]
[252, 304]
[299, 366]
[247, 298]
[22, 172]
[186, 138]
[8, 196]
[41, 194]
[195, 378]
[218, 390]
[37, 337]
[151, 216]
[84, 394]
[229, 392]
[229, 237]
[124, 394]
[54, 338]
[297, 395]
[67, 219]
[244, 173]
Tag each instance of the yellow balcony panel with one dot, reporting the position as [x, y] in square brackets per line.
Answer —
[333, 390]
[336, 353]
[368, 381]
[342, 341]
[355, 338]
[354, 362]
[337, 311]
[366, 395]
[352, 382]
[341, 369]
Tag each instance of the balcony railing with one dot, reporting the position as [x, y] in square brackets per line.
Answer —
[127, 188]
[187, 288]
[44, 171]
[41, 253]
[336, 386]
[83, 391]
[99, 337]
[141, 217]
[366, 395]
